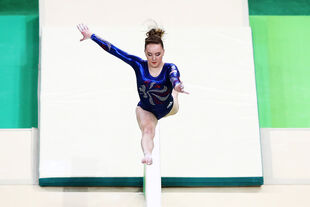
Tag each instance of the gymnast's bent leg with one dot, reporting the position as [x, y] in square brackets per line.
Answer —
[175, 107]
[147, 123]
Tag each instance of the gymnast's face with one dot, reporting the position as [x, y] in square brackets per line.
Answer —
[154, 54]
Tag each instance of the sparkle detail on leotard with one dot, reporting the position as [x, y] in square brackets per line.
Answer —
[154, 94]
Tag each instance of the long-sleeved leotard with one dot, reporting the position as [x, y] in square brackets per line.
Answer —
[154, 92]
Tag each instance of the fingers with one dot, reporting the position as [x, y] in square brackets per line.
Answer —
[180, 88]
[182, 91]
[78, 26]
[84, 30]
[82, 27]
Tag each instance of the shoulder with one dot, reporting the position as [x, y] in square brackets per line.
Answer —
[172, 66]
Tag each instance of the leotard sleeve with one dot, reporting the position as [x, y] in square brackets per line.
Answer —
[107, 46]
[174, 75]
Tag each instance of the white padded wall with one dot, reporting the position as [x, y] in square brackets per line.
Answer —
[88, 99]
[216, 133]
[88, 125]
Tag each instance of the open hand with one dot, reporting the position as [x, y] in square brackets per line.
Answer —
[85, 31]
[180, 88]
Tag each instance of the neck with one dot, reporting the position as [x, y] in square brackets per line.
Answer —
[158, 67]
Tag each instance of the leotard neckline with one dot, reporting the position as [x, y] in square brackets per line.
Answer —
[149, 74]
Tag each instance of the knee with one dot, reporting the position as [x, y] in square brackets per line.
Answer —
[149, 130]
[175, 110]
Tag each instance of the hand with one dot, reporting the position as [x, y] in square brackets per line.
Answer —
[85, 31]
[180, 88]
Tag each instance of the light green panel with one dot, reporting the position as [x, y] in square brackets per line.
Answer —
[281, 53]
[19, 49]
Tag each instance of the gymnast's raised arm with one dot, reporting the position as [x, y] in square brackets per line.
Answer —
[107, 46]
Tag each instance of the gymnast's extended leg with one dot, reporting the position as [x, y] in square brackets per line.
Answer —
[147, 123]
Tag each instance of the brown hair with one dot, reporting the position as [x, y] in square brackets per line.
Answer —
[154, 36]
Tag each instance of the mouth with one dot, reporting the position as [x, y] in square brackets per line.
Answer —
[154, 63]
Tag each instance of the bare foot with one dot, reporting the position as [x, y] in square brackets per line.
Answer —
[147, 159]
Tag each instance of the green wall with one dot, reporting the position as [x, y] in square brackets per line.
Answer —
[281, 54]
[19, 7]
[279, 7]
[19, 55]
[282, 65]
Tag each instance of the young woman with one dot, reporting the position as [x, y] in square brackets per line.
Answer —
[158, 84]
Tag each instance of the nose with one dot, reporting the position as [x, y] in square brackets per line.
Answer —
[153, 57]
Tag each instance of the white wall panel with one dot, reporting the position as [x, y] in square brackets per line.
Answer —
[286, 156]
[18, 156]
[119, 12]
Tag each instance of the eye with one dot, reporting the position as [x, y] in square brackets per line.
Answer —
[149, 54]
[157, 54]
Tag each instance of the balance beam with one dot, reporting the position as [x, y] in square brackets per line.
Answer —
[152, 177]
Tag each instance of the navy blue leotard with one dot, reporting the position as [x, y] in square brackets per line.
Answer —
[154, 92]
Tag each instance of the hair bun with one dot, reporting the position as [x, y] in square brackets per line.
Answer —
[155, 32]
[154, 36]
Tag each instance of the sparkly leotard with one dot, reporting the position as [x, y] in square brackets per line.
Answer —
[154, 92]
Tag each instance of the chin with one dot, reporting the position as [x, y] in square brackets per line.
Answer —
[155, 65]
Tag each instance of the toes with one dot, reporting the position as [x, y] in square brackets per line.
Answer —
[149, 161]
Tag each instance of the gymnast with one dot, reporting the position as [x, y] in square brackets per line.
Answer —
[158, 83]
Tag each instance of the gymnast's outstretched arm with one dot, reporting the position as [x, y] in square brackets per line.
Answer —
[174, 77]
[107, 46]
